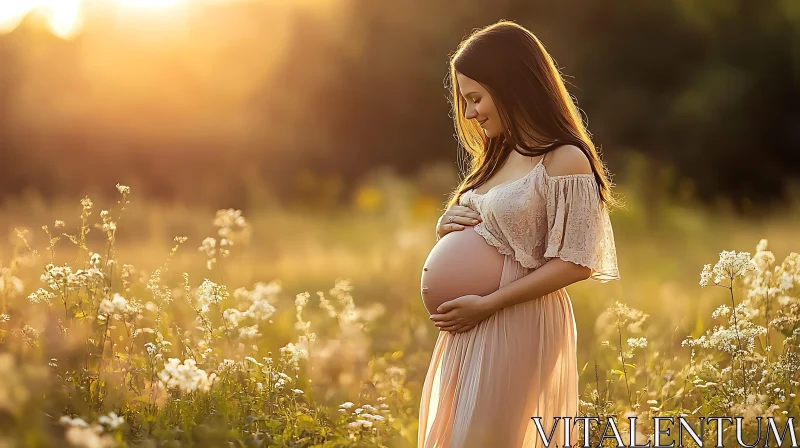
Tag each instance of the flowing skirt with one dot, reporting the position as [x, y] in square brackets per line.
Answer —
[484, 385]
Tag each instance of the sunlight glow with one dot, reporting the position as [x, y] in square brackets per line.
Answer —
[64, 16]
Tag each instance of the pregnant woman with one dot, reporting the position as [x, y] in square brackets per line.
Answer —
[530, 218]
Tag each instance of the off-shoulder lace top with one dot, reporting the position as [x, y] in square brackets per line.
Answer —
[539, 217]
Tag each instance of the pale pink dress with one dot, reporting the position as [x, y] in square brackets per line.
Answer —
[484, 385]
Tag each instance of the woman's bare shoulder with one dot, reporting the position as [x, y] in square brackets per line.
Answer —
[567, 159]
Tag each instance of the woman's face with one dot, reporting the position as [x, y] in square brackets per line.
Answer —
[480, 106]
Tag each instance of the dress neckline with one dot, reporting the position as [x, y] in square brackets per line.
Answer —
[539, 164]
[529, 173]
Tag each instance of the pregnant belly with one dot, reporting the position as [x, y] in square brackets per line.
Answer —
[460, 263]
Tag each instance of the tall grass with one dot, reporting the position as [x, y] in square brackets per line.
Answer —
[114, 354]
[144, 325]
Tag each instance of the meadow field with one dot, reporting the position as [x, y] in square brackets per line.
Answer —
[125, 322]
[214, 214]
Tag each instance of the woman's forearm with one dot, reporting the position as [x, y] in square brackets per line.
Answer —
[551, 276]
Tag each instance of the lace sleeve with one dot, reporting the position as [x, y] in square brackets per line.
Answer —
[579, 226]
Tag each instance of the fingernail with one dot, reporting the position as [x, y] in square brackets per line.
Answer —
[474, 220]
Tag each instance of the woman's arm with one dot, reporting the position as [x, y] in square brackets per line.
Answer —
[463, 313]
[551, 276]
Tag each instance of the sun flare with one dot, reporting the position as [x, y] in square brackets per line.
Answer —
[64, 16]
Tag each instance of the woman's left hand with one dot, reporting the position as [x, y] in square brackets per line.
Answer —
[463, 313]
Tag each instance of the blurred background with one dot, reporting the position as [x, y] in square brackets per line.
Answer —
[203, 101]
[327, 123]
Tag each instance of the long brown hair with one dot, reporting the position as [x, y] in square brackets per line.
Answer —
[529, 93]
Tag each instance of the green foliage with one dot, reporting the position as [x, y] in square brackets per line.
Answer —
[85, 336]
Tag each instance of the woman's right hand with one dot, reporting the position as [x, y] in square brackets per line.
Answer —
[455, 218]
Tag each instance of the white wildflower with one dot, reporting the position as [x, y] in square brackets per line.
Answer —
[260, 310]
[296, 352]
[139, 331]
[88, 437]
[254, 361]
[261, 292]
[29, 334]
[722, 310]
[186, 377]
[111, 420]
[69, 421]
[763, 258]
[635, 343]
[208, 246]
[120, 303]
[232, 316]
[56, 277]
[729, 266]
[705, 275]
[41, 296]
[249, 332]
[106, 306]
[231, 226]
[787, 281]
[226, 364]
[211, 293]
